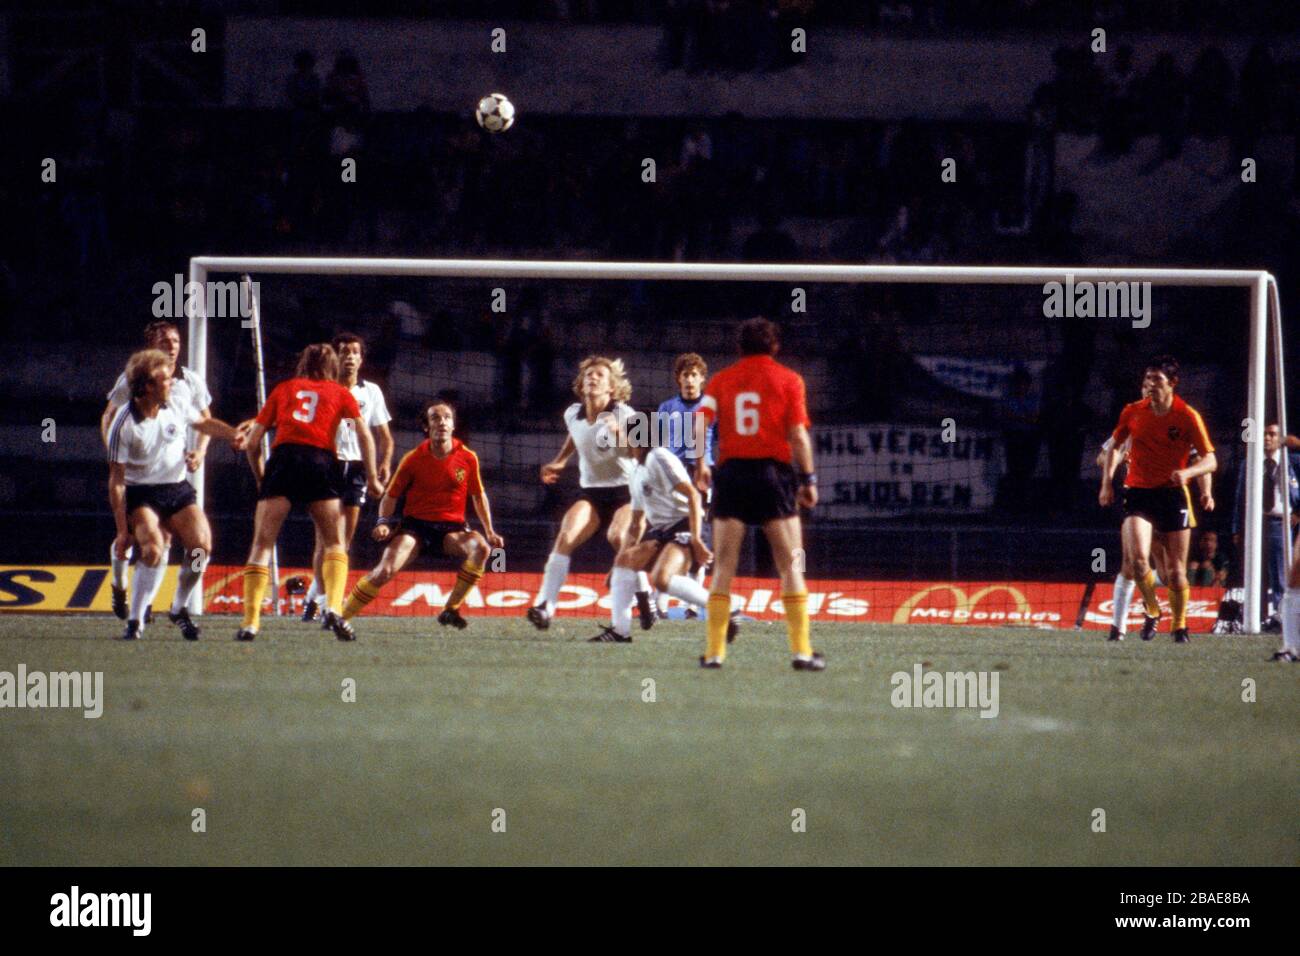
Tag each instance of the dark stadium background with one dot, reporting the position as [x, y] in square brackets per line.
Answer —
[164, 154]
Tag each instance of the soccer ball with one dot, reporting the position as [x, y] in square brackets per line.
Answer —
[495, 113]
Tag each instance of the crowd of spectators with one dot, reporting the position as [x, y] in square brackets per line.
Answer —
[710, 15]
[1110, 97]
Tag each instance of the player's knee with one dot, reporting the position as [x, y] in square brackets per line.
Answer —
[477, 549]
[381, 575]
[661, 579]
[151, 553]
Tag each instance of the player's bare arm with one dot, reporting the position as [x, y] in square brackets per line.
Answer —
[194, 457]
[1106, 497]
[1202, 466]
[1204, 488]
[367, 443]
[801, 450]
[699, 549]
[385, 442]
[106, 421]
[483, 508]
[384, 525]
[209, 428]
[552, 469]
[253, 432]
[703, 473]
[117, 502]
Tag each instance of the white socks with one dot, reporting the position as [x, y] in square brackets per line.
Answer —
[186, 579]
[643, 582]
[557, 569]
[315, 592]
[622, 586]
[147, 582]
[1123, 596]
[689, 590]
[1291, 620]
[120, 566]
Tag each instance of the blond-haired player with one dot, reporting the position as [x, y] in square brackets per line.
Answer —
[604, 468]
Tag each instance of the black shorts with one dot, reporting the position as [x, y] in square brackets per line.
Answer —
[606, 501]
[754, 490]
[1168, 509]
[301, 473]
[163, 500]
[429, 534]
[352, 483]
[678, 533]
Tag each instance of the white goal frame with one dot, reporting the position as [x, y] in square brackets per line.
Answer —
[1265, 318]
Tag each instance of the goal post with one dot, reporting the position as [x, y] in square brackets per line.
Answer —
[1264, 322]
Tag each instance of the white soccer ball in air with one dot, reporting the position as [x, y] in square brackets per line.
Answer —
[495, 113]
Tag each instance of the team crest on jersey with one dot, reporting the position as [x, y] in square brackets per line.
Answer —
[170, 431]
[460, 476]
[1174, 433]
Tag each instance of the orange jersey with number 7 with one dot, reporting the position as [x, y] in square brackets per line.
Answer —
[307, 411]
[755, 403]
[1162, 444]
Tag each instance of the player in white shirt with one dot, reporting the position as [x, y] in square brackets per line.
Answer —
[374, 412]
[188, 391]
[147, 489]
[604, 468]
[665, 534]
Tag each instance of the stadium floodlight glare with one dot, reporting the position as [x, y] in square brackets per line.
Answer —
[1261, 285]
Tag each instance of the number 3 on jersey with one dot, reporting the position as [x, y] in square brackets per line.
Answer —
[747, 413]
[307, 411]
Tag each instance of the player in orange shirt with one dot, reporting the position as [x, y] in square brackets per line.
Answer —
[764, 475]
[436, 479]
[1165, 431]
[305, 412]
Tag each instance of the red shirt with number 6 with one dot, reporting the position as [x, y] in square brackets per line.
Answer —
[755, 403]
[307, 411]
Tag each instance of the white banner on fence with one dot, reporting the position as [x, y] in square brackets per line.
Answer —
[983, 378]
[881, 470]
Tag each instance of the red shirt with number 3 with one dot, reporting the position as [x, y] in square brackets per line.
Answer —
[307, 411]
[755, 403]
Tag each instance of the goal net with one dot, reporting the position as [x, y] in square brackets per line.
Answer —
[958, 413]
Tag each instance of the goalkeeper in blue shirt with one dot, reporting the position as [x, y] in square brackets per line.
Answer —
[677, 425]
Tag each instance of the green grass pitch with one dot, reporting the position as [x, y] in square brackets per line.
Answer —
[447, 727]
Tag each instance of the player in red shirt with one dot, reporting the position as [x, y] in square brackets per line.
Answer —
[305, 412]
[764, 475]
[436, 479]
[1165, 431]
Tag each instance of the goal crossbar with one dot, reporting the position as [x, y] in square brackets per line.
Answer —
[1259, 283]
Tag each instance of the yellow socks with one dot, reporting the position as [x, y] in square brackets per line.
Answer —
[361, 595]
[256, 578]
[719, 616]
[1178, 603]
[466, 578]
[1147, 585]
[796, 623]
[334, 569]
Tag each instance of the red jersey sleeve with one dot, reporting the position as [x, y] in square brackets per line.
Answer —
[349, 405]
[709, 401]
[270, 412]
[475, 483]
[1123, 429]
[797, 404]
[401, 480]
[1200, 438]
